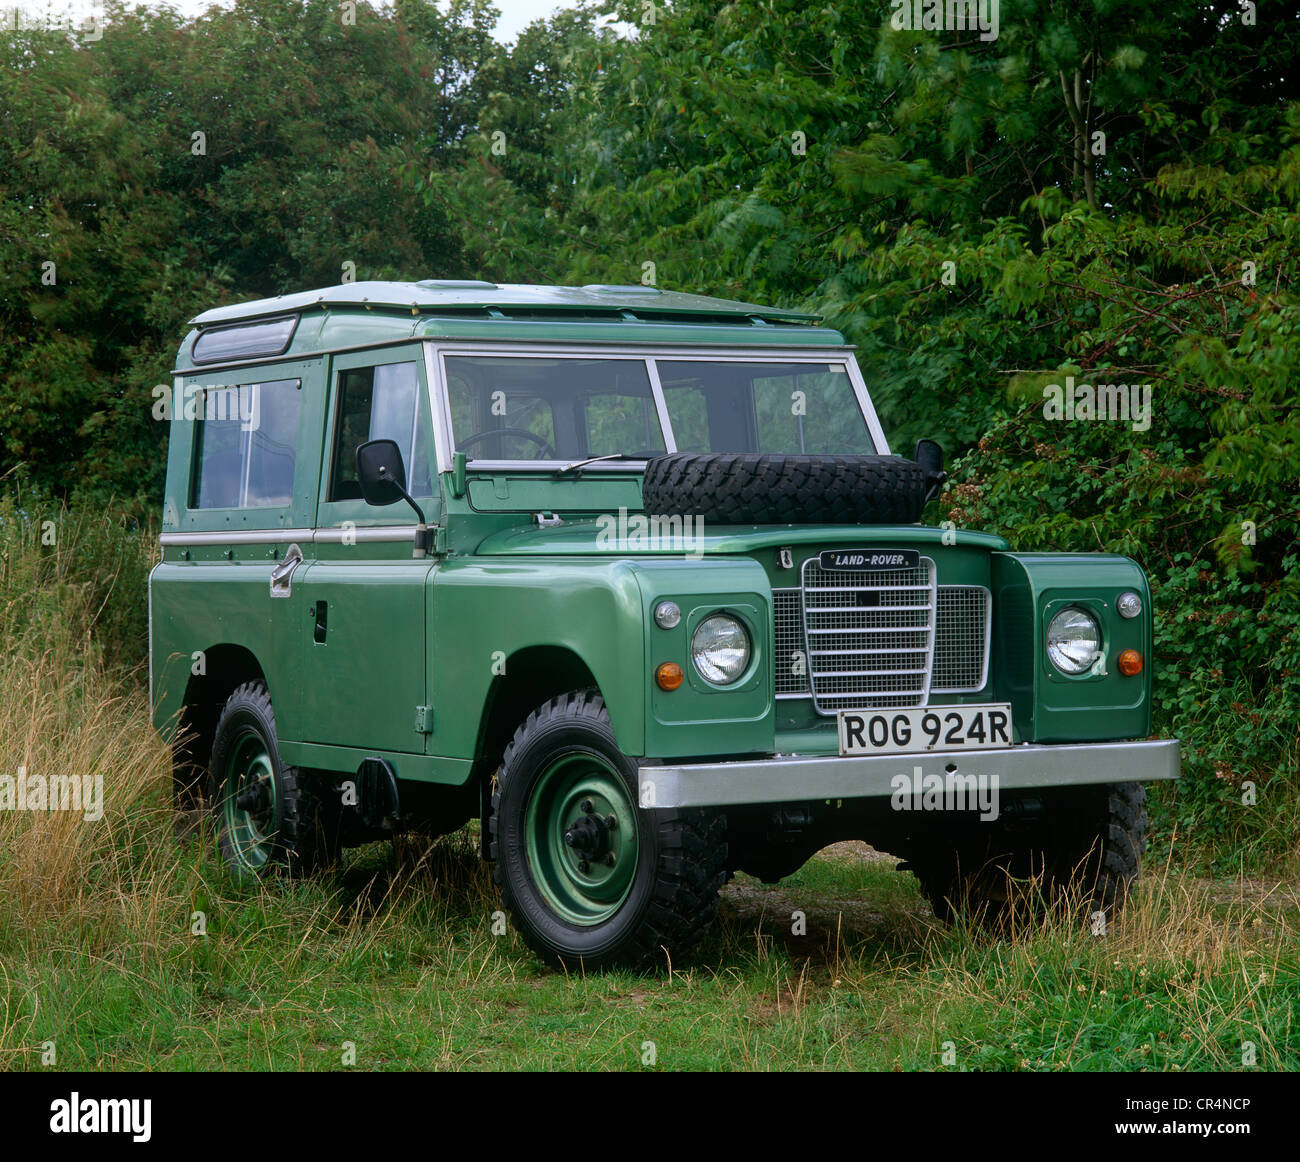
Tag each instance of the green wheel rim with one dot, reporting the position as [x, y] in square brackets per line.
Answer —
[583, 867]
[250, 829]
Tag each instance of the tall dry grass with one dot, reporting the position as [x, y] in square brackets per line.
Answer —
[73, 703]
[63, 717]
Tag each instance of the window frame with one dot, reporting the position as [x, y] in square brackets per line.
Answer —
[243, 325]
[185, 437]
[246, 466]
[333, 513]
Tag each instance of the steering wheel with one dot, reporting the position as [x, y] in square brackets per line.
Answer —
[549, 452]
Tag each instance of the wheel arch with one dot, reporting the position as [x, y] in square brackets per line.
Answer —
[225, 667]
[532, 676]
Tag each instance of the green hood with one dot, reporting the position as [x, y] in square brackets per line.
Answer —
[604, 535]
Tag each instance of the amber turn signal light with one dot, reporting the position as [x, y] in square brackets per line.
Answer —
[1130, 663]
[669, 676]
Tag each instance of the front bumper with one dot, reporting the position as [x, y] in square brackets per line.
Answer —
[795, 779]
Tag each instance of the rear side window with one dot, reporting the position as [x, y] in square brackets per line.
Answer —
[246, 445]
[380, 403]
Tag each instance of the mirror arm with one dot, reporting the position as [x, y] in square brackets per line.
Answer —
[424, 535]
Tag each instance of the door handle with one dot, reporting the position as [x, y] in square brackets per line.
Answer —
[282, 574]
[321, 612]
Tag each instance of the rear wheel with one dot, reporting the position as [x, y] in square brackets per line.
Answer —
[589, 877]
[266, 819]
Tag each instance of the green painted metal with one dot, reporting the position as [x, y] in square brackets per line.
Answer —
[1049, 706]
[495, 617]
[604, 535]
[699, 718]
[583, 887]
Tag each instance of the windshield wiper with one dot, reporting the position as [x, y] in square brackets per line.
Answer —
[578, 464]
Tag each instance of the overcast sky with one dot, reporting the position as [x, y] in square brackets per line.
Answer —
[516, 15]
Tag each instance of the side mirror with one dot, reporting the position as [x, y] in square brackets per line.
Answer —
[382, 477]
[381, 473]
[929, 455]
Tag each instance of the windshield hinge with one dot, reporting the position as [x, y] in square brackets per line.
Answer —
[547, 520]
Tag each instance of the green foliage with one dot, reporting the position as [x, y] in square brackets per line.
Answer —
[314, 135]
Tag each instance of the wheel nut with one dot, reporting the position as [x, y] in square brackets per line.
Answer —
[569, 838]
[610, 822]
[587, 806]
[584, 866]
[609, 860]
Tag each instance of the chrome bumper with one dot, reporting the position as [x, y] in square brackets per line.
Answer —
[795, 779]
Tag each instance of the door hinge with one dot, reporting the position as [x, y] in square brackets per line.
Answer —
[424, 720]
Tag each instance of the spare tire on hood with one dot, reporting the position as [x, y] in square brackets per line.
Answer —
[758, 488]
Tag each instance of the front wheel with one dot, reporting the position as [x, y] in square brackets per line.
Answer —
[589, 877]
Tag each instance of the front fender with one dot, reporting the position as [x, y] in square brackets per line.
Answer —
[1028, 589]
[487, 610]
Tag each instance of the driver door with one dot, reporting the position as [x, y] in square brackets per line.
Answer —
[363, 632]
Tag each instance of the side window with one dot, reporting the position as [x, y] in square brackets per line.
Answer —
[246, 444]
[380, 403]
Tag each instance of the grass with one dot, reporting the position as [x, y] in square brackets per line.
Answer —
[393, 959]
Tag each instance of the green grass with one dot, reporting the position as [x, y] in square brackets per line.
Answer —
[395, 954]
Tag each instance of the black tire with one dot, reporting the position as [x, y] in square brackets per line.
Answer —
[672, 888]
[1089, 854]
[752, 488]
[286, 815]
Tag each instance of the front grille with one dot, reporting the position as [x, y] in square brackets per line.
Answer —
[790, 667]
[862, 640]
[961, 644]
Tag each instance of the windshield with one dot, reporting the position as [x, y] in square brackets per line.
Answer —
[530, 408]
[763, 407]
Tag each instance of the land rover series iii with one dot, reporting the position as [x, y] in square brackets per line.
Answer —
[631, 578]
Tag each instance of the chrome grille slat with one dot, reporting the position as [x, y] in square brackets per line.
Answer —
[875, 629]
[870, 653]
[872, 588]
[822, 626]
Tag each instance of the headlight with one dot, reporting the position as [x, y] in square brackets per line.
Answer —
[720, 649]
[1073, 639]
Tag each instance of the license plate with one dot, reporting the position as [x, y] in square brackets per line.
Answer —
[925, 729]
[845, 560]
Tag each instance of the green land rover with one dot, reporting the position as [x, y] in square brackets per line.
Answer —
[632, 578]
